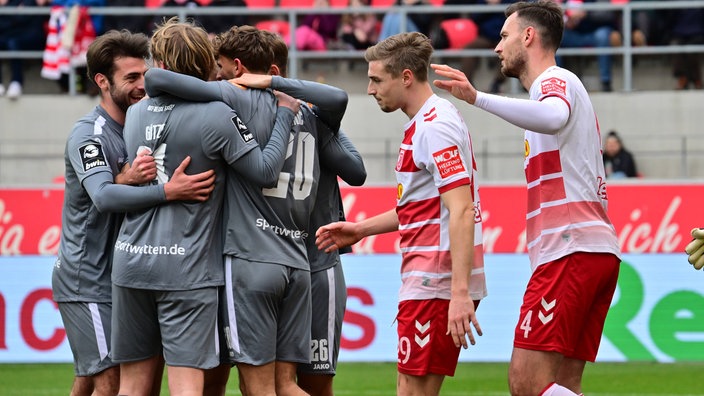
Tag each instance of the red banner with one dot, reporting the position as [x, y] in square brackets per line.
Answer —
[649, 218]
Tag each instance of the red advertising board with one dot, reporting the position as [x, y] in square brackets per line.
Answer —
[649, 218]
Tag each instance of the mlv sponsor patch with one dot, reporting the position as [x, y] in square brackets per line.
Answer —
[242, 129]
[553, 85]
[448, 162]
[92, 156]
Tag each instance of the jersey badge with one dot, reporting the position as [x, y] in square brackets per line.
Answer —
[399, 191]
[92, 156]
[553, 85]
[242, 129]
[449, 162]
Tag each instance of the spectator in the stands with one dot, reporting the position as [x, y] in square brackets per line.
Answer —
[317, 32]
[213, 24]
[359, 31]
[133, 23]
[489, 35]
[415, 21]
[20, 32]
[618, 162]
[686, 27]
[592, 28]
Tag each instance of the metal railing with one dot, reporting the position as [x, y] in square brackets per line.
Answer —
[626, 51]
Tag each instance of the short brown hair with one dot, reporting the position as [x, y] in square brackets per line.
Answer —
[111, 45]
[246, 44]
[545, 16]
[411, 50]
[184, 48]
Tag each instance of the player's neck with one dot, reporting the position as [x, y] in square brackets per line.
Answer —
[417, 95]
[113, 111]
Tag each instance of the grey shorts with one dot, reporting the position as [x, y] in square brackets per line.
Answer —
[182, 324]
[266, 313]
[329, 298]
[88, 330]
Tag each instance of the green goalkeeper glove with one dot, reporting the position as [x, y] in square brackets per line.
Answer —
[695, 249]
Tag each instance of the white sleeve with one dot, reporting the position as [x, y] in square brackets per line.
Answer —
[547, 116]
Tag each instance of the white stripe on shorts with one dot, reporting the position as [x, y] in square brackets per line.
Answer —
[99, 330]
[331, 308]
[234, 340]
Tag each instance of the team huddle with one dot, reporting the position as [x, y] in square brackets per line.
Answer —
[203, 224]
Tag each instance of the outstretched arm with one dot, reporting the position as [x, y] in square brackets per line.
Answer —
[546, 116]
[330, 102]
[341, 234]
[110, 197]
[161, 81]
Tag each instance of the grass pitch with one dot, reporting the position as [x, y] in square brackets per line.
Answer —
[379, 379]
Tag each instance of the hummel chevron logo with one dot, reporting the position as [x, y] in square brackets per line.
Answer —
[422, 341]
[422, 327]
[547, 306]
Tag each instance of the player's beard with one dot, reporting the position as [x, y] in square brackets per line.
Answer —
[122, 99]
[514, 67]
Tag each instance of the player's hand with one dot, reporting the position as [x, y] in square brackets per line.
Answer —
[336, 235]
[695, 248]
[461, 317]
[253, 80]
[457, 83]
[288, 101]
[142, 170]
[183, 187]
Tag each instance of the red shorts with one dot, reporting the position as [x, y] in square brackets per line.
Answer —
[565, 305]
[424, 347]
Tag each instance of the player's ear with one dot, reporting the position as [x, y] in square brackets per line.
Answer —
[274, 70]
[101, 80]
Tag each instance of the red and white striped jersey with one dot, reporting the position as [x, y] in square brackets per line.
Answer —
[567, 200]
[435, 156]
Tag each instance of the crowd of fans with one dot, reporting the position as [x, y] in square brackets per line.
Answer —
[63, 33]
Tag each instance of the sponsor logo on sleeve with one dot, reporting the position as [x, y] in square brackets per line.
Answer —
[242, 129]
[449, 162]
[92, 156]
[553, 85]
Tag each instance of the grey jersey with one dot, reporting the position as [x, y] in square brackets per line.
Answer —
[82, 270]
[263, 225]
[178, 246]
[328, 204]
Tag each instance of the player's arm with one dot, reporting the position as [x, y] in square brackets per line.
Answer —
[262, 166]
[329, 102]
[159, 81]
[461, 314]
[339, 155]
[546, 116]
[341, 234]
[110, 197]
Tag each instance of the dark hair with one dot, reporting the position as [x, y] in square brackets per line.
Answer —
[411, 50]
[246, 44]
[111, 45]
[545, 15]
[278, 45]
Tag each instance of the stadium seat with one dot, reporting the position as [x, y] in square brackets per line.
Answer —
[260, 3]
[437, 3]
[275, 26]
[154, 3]
[382, 3]
[296, 3]
[460, 31]
[339, 3]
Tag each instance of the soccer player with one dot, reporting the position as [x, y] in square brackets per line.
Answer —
[572, 244]
[328, 288]
[286, 210]
[437, 214]
[96, 160]
[168, 264]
